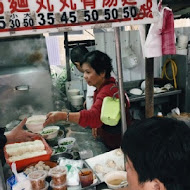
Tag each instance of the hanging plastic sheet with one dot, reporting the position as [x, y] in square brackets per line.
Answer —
[168, 33]
[161, 36]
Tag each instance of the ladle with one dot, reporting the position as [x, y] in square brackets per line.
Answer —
[124, 182]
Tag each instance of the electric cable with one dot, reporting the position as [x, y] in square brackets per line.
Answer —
[174, 71]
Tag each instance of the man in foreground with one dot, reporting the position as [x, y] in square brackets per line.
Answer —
[157, 152]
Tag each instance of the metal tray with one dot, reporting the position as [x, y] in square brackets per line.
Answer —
[98, 181]
[103, 159]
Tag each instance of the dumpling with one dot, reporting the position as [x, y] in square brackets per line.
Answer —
[99, 168]
[119, 152]
[111, 163]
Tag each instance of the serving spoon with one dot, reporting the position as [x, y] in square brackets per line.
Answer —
[123, 183]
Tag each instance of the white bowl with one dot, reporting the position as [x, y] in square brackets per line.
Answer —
[136, 91]
[114, 178]
[50, 132]
[143, 85]
[68, 142]
[35, 123]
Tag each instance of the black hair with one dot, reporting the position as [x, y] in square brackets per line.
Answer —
[78, 53]
[159, 148]
[100, 62]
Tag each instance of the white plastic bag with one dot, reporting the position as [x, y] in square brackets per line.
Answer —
[73, 169]
[153, 43]
[130, 59]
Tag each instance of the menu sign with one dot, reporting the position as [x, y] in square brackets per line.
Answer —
[21, 17]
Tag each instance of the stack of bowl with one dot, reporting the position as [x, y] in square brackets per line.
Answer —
[182, 45]
[74, 97]
[77, 101]
[72, 92]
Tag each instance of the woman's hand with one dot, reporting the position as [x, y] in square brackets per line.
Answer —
[18, 134]
[95, 132]
[54, 117]
[84, 105]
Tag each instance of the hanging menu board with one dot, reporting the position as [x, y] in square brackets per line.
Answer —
[22, 17]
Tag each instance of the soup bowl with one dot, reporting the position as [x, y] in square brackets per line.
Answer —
[116, 179]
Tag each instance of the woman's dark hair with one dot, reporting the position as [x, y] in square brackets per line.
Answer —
[77, 53]
[159, 148]
[100, 62]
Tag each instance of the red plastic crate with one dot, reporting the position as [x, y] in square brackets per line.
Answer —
[22, 164]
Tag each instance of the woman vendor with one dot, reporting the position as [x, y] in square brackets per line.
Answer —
[97, 69]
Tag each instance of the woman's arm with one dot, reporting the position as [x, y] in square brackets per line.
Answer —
[54, 117]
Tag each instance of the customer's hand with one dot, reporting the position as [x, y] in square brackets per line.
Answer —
[54, 117]
[18, 134]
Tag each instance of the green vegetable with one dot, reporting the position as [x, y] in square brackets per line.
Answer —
[60, 149]
[48, 131]
[67, 143]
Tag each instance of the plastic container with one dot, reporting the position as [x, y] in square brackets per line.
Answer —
[58, 187]
[86, 177]
[37, 179]
[85, 154]
[46, 186]
[58, 175]
[22, 164]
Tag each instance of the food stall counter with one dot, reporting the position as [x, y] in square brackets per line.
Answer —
[84, 142]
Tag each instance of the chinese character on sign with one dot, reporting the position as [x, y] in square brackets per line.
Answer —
[129, 2]
[109, 3]
[49, 7]
[13, 17]
[65, 4]
[145, 11]
[1, 8]
[19, 6]
[89, 3]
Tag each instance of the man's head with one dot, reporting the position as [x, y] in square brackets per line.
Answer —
[157, 154]
[77, 56]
